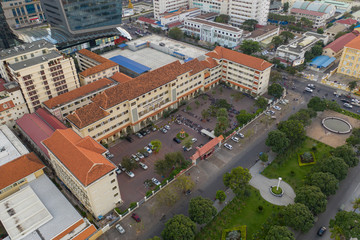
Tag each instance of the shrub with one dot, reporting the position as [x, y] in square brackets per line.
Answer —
[133, 205]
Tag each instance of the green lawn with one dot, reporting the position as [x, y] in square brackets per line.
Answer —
[287, 166]
[239, 212]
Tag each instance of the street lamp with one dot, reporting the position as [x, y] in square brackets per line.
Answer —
[277, 188]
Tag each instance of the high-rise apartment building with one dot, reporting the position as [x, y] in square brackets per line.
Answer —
[161, 6]
[41, 71]
[7, 37]
[216, 6]
[83, 17]
[241, 10]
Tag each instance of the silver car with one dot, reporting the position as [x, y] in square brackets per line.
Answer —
[120, 228]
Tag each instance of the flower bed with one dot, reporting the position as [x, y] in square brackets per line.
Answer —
[236, 233]
[307, 158]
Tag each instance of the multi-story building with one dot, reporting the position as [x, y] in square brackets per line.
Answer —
[67, 103]
[134, 103]
[22, 13]
[83, 18]
[294, 52]
[179, 16]
[350, 60]
[7, 37]
[335, 48]
[241, 10]
[263, 33]
[216, 6]
[94, 67]
[341, 6]
[40, 70]
[12, 103]
[213, 32]
[162, 6]
[317, 12]
[81, 165]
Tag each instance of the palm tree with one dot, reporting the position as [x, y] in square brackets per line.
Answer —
[352, 85]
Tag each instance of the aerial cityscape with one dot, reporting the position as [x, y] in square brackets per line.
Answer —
[179, 119]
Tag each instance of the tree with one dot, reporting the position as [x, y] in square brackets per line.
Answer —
[352, 85]
[356, 204]
[222, 103]
[316, 50]
[320, 30]
[179, 227]
[347, 154]
[278, 141]
[303, 115]
[312, 197]
[264, 157]
[244, 117]
[275, 76]
[346, 224]
[201, 210]
[354, 139]
[161, 167]
[176, 33]
[277, 41]
[188, 143]
[298, 216]
[221, 125]
[249, 47]
[249, 24]
[327, 182]
[220, 195]
[128, 163]
[286, 35]
[205, 114]
[174, 158]
[275, 90]
[333, 165]
[261, 102]
[294, 130]
[155, 238]
[184, 183]
[279, 232]
[238, 179]
[306, 22]
[286, 7]
[156, 145]
[317, 104]
[222, 18]
[222, 112]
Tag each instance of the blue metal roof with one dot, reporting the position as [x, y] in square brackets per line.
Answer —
[188, 59]
[322, 61]
[122, 45]
[130, 64]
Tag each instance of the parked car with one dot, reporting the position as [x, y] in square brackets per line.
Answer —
[130, 173]
[109, 155]
[270, 112]
[139, 155]
[120, 228]
[235, 139]
[118, 171]
[187, 149]
[321, 231]
[277, 108]
[175, 139]
[193, 140]
[163, 130]
[129, 139]
[308, 90]
[155, 181]
[150, 146]
[345, 100]
[139, 135]
[240, 135]
[143, 132]
[348, 105]
[145, 153]
[167, 127]
[143, 165]
[147, 131]
[122, 168]
[154, 129]
[312, 86]
[136, 217]
[133, 156]
[148, 150]
[228, 146]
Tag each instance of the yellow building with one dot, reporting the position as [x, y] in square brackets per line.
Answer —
[135, 102]
[81, 165]
[350, 59]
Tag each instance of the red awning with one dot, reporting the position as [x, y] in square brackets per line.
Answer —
[35, 18]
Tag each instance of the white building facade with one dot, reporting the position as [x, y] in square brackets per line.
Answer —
[161, 6]
[241, 10]
[216, 6]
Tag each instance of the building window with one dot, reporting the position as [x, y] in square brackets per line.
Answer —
[112, 181]
[116, 194]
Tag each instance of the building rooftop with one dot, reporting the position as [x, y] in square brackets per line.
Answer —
[104, 63]
[298, 45]
[35, 61]
[39, 126]
[6, 105]
[347, 21]
[314, 6]
[263, 30]
[207, 147]
[2, 82]
[25, 48]
[355, 43]
[208, 15]
[77, 93]
[81, 156]
[335, 28]
[130, 64]
[121, 78]
[243, 59]
[10, 146]
[178, 12]
[307, 12]
[227, 27]
[339, 43]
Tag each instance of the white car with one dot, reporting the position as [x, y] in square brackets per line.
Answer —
[308, 90]
[167, 127]
[277, 108]
[311, 86]
[240, 135]
[120, 228]
[148, 150]
[139, 155]
[130, 174]
[155, 181]
[348, 105]
[139, 135]
[235, 139]
[193, 140]
[143, 165]
[163, 130]
[118, 171]
[135, 157]
[228, 146]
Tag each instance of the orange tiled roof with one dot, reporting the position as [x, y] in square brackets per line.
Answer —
[87, 114]
[69, 230]
[207, 147]
[243, 59]
[6, 105]
[81, 156]
[355, 43]
[77, 93]
[209, 62]
[121, 78]
[86, 233]
[104, 63]
[19, 168]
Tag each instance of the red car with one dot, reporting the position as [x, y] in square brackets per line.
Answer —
[136, 217]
